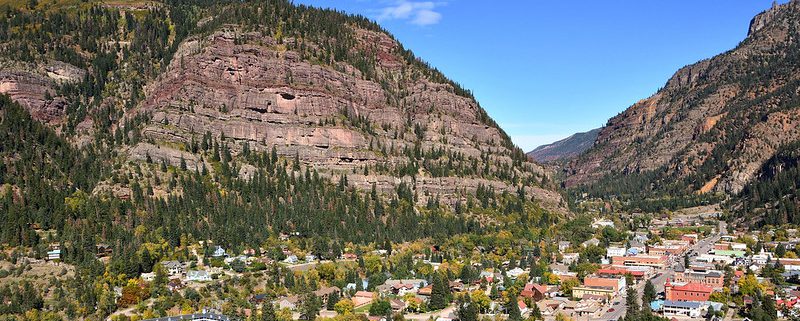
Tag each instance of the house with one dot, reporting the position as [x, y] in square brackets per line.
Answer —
[349, 256]
[549, 308]
[515, 272]
[635, 247]
[456, 286]
[591, 242]
[198, 276]
[401, 287]
[53, 255]
[175, 285]
[563, 246]
[325, 293]
[588, 309]
[523, 308]
[362, 298]
[536, 292]
[397, 305]
[103, 250]
[692, 309]
[288, 302]
[219, 251]
[601, 223]
[310, 258]
[173, 267]
[148, 277]
[687, 292]
[612, 251]
[691, 238]
[569, 258]
[291, 259]
[426, 291]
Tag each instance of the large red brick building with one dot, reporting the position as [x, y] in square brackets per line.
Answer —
[687, 292]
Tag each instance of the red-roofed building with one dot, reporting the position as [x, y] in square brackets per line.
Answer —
[687, 292]
[536, 292]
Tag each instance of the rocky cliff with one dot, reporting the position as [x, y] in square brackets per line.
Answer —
[250, 90]
[565, 149]
[715, 122]
[335, 92]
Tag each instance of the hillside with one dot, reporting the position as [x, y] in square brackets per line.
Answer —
[565, 149]
[712, 127]
[208, 119]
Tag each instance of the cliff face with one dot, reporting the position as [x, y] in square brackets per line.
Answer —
[251, 90]
[34, 86]
[715, 122]
[565, 149]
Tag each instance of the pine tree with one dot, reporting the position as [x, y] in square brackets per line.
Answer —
[649, 294]
[268, 312]
[438, 292]
[333, 298]
[514, 314]
[467, 310]
[310, 306]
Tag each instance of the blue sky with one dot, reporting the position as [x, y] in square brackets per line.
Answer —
[547, 69]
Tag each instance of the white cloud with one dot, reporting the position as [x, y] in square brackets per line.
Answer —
[421, 13]
[427, 17]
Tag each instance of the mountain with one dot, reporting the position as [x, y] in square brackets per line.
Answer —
[238, 121]
[712, 127]
[566, 148]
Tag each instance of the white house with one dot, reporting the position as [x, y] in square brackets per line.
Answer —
[198, 276]
[219, 251]
[591, 241]
[291, 259]
[173, 267]
[568, 258]
[612, 251]
[515, 272]
[148, 277]
[53, 255]
[601, 223]
[288, 302]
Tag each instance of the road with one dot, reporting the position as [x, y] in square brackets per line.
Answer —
[701, 247]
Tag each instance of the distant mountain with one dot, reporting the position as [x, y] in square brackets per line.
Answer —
[566, 148]
[712, 127]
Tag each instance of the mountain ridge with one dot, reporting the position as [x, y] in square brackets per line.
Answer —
[713, 124]
[564, 149]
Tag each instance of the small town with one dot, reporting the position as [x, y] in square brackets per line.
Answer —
[692, 268]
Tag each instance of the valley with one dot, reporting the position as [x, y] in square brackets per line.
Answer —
[276, 161]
